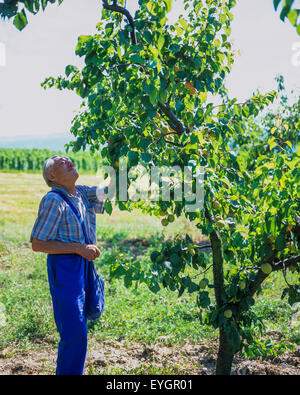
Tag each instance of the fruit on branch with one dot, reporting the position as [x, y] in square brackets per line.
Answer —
[171, 218]
[216, 205]
[165, 130]
[242, 285]
[203, 283]
[191, 250]
[219, 221]
[190, 87]
[228, 313]
[221, 224]
[164, 222]
[266, 268]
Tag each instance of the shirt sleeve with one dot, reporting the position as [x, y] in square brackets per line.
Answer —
[96, 197]
[48, 219]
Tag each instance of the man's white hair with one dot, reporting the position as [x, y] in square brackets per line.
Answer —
[48, 166]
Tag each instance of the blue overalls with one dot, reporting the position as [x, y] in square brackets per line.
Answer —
[67, 281]
[75, 288]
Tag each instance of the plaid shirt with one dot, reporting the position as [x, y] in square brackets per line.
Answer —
[57, 221]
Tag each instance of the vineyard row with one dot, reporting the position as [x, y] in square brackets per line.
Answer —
[33, 159]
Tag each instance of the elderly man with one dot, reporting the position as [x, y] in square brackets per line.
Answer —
[57, 231]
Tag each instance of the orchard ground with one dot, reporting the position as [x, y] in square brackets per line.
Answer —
[140, 332]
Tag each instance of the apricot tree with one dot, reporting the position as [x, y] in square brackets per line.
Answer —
[148, 91]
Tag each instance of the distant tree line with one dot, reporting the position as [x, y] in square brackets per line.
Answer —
[33, 159]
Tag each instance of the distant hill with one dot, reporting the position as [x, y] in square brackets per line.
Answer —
[54, 142]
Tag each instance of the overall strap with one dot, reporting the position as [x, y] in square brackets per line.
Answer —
[68, 201]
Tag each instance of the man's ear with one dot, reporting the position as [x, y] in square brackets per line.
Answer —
[51, 176]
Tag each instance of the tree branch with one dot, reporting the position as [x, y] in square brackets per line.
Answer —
[117, 8]
[173, 121]
[261, 276]
[203, 246]
[286, 263]
[169, 114]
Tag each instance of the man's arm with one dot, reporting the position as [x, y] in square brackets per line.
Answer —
[97, 196]
[88, 251]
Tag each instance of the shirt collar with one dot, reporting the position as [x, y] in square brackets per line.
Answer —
[65, 191]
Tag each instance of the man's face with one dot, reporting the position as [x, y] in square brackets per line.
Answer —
[64, 172]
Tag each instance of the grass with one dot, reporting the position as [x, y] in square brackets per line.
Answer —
[132, 314]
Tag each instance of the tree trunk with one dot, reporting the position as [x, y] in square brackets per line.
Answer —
[225, 355]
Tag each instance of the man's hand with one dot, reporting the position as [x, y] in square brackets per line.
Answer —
[89, 251]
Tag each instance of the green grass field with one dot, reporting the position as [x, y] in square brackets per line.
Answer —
[132, 315]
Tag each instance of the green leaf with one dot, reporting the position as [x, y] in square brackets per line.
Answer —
[127, 281]
[154, 255]
[179, 30]
[276, 3]
[174, 48]
[289, 144]
[147, 35]
[293, 16]
[20, 20]
[81, 41]
[32, 6]
[144, 143]
[136, 58]
[181, 291]
[183, 23]
[203, 299]
[146, 157]
[179, 106]
[117, 271]
[109, 29]
[133, 157]
[151, 8]
[154, 286]
[69, 69]
[168, 4]
[185, 281]
[294, 294]
[274, 129]
[108, 207]
[286, 9]
[272, 143]
[280, 241]
[160, 42]
[122, 206]
[175, 259]
[195, 287]
[265, 252]
[152, 94]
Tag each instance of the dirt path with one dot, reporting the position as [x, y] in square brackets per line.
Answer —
[119, 358]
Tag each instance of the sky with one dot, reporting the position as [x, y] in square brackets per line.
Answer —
[47, 45]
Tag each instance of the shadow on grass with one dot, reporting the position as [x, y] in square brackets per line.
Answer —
[135, 246]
